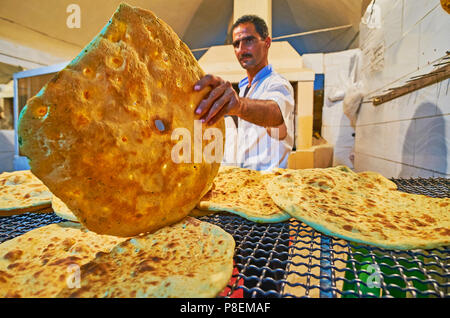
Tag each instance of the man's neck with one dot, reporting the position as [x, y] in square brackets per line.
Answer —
[251, 73]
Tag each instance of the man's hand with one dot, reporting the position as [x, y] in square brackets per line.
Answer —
[222, 99]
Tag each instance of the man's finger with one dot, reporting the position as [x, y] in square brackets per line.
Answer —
[207, 80]
[205, 105]
[232, 103]
[217, 107]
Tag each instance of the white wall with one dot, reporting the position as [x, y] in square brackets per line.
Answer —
[6, 150]
[340, 69]
[6, 136]
[410, 135]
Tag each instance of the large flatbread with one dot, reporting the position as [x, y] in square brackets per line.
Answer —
[363, 208]
[21, 192]
[242, 191]
[42, 261]
[446, 5]
[188, 259]
[99, 134]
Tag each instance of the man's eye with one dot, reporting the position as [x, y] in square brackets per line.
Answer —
[250, 40]
[245, 41]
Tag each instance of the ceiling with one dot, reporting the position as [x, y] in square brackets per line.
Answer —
[6, 70]
[41, 24]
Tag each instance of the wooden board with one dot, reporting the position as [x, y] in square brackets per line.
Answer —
[414, 84]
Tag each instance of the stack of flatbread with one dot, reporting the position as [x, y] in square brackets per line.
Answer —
[22, 192]
[362, 207]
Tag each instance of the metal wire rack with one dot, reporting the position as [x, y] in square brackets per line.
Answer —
[290, 259]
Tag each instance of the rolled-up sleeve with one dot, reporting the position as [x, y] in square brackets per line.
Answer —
[282, 93]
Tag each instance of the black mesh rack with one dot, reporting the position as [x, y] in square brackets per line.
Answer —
[290, 259]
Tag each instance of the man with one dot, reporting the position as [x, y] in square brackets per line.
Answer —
[264, 106]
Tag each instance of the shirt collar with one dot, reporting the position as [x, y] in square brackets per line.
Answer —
[265, 71]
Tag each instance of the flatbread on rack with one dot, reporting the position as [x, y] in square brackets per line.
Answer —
[104, 134]
[189, 259]
[363, 208]
[21, 192]
[41, 262]
[376, 179]
[242, 191]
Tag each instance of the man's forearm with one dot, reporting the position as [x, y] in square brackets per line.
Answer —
[265, 113]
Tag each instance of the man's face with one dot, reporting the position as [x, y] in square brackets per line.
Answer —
[251, 51]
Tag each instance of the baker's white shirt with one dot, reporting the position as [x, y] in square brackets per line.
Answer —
[249, 145]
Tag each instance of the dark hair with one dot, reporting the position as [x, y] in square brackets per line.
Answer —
[260, 24]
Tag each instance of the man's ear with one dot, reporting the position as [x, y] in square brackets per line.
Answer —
[268, 41]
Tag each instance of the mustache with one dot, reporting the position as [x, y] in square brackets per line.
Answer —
[245, 55]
